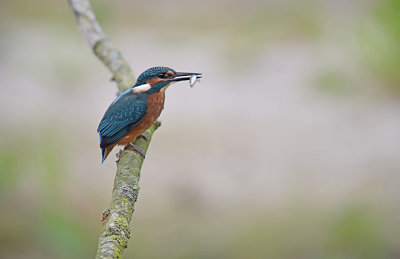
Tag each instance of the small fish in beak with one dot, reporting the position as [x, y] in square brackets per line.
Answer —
[193, 80]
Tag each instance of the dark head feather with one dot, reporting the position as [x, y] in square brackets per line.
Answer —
[152, 73]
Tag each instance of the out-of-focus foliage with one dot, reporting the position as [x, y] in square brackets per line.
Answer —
[380, 41]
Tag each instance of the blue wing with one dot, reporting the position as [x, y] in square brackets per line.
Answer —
[124, 113]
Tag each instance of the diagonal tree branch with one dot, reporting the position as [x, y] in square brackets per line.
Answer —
[101, 45]
[116, 232]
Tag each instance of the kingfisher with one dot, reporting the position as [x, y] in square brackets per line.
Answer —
[134, 111]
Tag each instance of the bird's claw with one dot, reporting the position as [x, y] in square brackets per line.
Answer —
[144, 137]
[118, 155]
[131, 146]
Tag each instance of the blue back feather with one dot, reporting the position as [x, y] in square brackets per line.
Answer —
[124, 113]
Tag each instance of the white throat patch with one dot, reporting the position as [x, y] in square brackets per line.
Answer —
[141, 88]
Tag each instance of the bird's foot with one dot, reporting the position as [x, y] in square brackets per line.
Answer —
[118, 155]
[144, 137]
[131, 146]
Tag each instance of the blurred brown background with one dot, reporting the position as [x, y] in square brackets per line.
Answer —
[288, 148]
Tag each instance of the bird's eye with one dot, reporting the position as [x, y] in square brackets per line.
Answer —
[162, 75]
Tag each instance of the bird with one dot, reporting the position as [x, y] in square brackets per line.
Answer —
[135, 110]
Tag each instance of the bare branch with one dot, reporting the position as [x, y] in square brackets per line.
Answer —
[101, 45]
[116, 232]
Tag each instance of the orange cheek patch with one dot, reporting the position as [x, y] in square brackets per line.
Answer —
[153, 81]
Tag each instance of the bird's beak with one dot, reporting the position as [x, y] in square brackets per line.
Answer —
[183, 76]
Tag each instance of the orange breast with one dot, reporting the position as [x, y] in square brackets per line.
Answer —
[155, 104]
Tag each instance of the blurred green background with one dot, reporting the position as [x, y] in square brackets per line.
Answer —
[288, 148]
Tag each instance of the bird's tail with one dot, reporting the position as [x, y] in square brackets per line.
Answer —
[105, 152]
